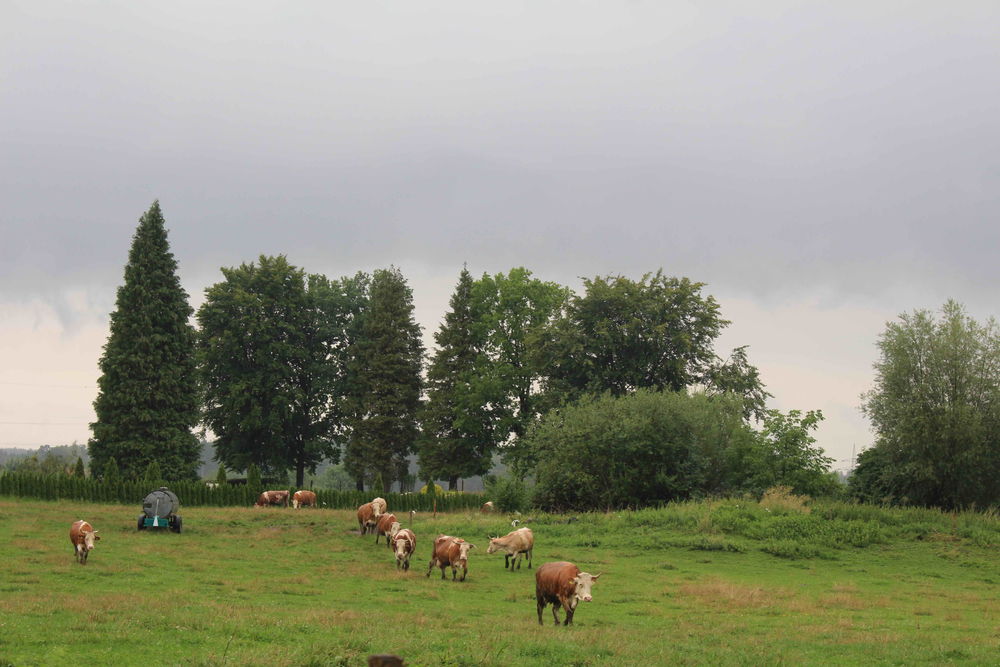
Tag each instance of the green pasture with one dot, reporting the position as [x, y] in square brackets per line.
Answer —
[716, 582]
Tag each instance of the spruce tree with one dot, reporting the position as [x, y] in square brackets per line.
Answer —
[388, 357]
[457, 428]
[79, 470]
[147, 402]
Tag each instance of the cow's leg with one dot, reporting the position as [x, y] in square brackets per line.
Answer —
[430, 567]
[506, 561]
[83, 555]
[465, 571]
[555, 611]
[569, 616]
[529, 559]
[540, 599]
[517, 560]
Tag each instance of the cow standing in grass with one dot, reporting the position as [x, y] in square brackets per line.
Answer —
[83, 537]
[564, 585]
[366, 519]
[450, 551]
[303, 499]
[272, 499]
[404, 542]
[384, 527]
[515, 544]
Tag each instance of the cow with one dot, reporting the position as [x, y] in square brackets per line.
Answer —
[515, 544]
[380, 507]
[366, 519]
[450, 551]
[83, 537]
[384, 527]
[303, 499]
[272, 498]
[564, 585]
[487, 507]
[404, 542]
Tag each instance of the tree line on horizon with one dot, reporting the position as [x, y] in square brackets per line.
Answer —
[618, 391]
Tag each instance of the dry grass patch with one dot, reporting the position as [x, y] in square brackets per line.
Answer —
[719, 593]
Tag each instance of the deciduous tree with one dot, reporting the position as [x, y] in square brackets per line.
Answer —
[935, 409]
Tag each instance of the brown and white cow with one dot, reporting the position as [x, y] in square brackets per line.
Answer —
[515, 544]
[487, 507]
[83, 536]
[366, 519]
[384, 527]
[564, 585]
[272, 498]
[404, 542]
[450, 551]
[303, 499]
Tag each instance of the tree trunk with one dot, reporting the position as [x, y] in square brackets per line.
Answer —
[300, 473]
[453, 483]
[359, 484]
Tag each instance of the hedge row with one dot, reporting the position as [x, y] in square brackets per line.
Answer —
[193, 494]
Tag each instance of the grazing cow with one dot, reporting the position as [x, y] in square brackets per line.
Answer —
[403, 544]
[366, 519]
[83, 536]
[384, 527]
[272, 498]
[487, 507]
[515, 544]
[564, 585]
[303, 499]
[450, 551]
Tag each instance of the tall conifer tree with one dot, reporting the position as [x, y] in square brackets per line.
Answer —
[388, 356]
[457, 426]
[147, 404]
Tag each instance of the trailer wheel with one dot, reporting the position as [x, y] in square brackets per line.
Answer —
[176, 526]
[141, 525]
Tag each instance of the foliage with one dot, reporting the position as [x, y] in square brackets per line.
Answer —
[458, 426]
[781, 499]
[636, 450]
[253, 479]
[787, 455]
[220, 476]
[153, 475]
[935, 408]
[336, 478]
[623, 334]
[147, 402]
[510, 308]
[387, 357]
[110, 473]
[508, 493]
[78, 469]
[272, 345]
[432, 489]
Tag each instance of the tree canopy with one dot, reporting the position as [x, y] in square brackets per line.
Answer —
[935, 409]
[271, 345]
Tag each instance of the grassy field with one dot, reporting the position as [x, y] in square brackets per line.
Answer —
[723, 582]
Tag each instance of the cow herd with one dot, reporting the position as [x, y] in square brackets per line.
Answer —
[561, 584]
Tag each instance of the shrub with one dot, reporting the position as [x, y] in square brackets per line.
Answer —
[780, 499]
[508, 494]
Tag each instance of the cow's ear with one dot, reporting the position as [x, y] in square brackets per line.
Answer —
[472, 546]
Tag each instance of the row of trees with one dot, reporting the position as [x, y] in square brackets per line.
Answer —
[288, 369]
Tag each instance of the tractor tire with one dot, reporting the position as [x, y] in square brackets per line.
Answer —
[176, 524]
[142, 522]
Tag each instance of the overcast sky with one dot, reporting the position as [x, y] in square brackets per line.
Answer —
[822, 167]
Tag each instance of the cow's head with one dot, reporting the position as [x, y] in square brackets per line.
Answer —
[89, 539]
[463, 551]
[393, 529]
[494, 545]
[583, 581]
[402, 546]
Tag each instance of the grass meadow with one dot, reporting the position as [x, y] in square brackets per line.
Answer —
[715, 582]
